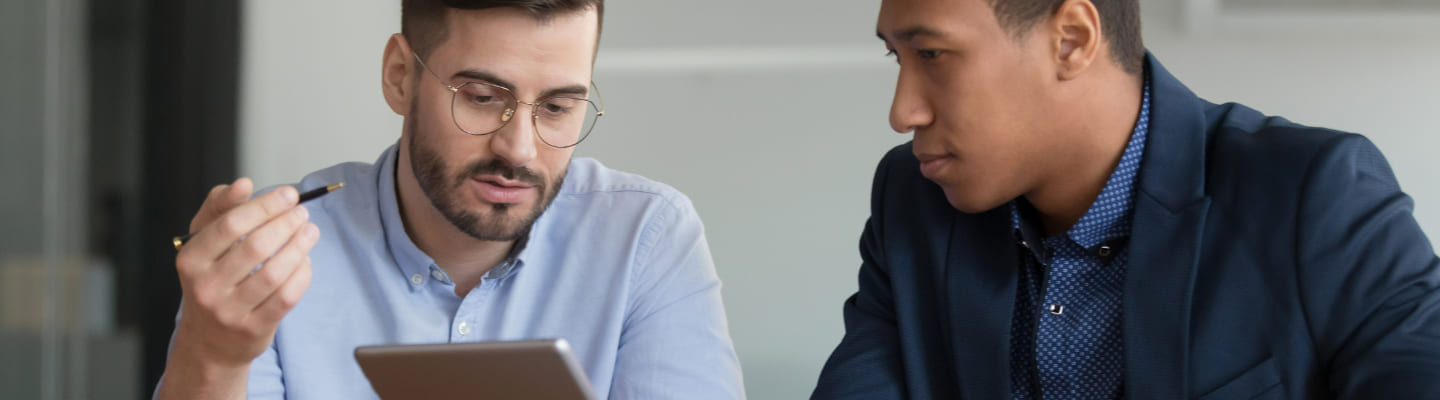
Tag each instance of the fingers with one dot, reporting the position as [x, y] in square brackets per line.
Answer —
[256, 287]
[207, 209]
[226, 298]
[191, 263]
[218, 236]
[274, 308]
[261, 245]
[221, 199]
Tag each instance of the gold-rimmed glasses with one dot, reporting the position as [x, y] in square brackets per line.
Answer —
[481, 108]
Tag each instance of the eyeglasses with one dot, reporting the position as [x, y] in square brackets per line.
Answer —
[481, 108]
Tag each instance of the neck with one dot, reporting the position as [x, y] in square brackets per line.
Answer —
[465, 259]
[1096, 128]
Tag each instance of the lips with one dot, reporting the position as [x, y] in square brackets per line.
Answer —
[932, 164]
[497, 190]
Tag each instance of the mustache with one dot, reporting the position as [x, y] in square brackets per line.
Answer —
[497, 167]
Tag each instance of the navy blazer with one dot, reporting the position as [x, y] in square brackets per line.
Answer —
[1268, 260]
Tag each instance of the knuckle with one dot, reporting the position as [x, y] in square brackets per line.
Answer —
[231, 226]
[256, 330]
[205, 298]
[185, 262]
[304, 238]
[289, 299]
[278, 200]
[269, 276]
[254, 249]
[233, 321]
[298, 216]
[288, 223]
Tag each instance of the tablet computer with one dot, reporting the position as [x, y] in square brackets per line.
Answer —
[531, 369]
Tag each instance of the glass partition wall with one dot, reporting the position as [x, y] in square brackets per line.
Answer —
[107, 146]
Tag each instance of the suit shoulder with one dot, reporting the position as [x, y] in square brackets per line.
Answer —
[899, 156]
[1243, 130]
[897, 167]
[1259, 160]
[1246, 144]
[899, 188]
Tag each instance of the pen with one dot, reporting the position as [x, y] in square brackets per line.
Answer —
[304, 197]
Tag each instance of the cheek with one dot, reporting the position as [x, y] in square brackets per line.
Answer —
[554, 161]
[1002, 112]
[436, 131]
[972, 101]
[437, 119]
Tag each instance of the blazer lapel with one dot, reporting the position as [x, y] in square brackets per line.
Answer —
[1170, 211]
[1163, 254]
[980, 282]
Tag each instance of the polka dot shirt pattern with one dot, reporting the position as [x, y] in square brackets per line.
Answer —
[1066, 338]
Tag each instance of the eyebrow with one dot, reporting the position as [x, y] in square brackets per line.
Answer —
[910, 33]
[478, 75]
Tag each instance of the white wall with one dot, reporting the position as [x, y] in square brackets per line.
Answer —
[771, 116]
[310, 85]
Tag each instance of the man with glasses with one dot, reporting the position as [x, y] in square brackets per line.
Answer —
[477, 225]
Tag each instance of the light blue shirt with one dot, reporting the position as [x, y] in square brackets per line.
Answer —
[618, 266]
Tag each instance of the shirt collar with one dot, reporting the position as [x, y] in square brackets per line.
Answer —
[408, 257]
[1102, 223]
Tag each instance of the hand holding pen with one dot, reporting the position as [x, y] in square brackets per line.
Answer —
[179, 241]
[230, 308]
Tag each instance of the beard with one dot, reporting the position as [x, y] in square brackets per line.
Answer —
[443, 186]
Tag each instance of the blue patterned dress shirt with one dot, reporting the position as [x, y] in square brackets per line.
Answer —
[1066, 338]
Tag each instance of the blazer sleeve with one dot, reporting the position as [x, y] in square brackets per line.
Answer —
[866, 364]
[1368, 277]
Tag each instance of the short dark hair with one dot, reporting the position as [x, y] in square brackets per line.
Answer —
[422, 22]
[1120, 20]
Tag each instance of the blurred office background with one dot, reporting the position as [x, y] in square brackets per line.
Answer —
[118, 115]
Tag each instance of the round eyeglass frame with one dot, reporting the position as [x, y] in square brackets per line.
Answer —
[510, 111]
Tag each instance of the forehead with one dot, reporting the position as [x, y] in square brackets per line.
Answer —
[944, 18]
[511, 41]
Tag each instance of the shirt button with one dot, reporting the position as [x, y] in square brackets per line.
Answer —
[1024, 244]
[1056, 309]
[1104, 251]
[439, 276]
[464, 329]
[417, 279]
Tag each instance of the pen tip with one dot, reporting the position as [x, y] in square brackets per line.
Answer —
[332, 188]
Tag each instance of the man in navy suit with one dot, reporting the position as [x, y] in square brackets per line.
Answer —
[1071, 222]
